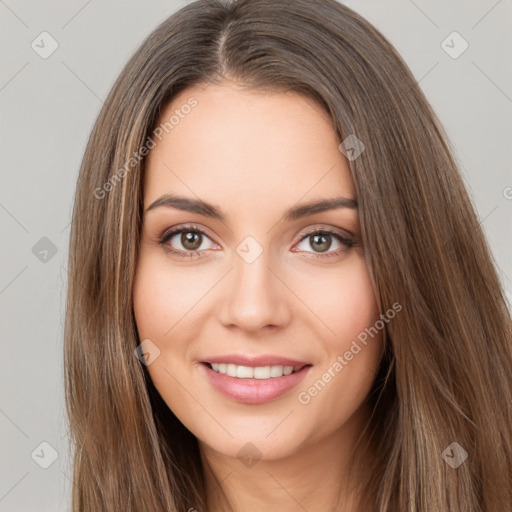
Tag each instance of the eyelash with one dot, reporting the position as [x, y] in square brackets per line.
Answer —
[347, 242]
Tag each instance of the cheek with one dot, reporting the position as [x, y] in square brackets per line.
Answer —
[342, 379]
[342, 300]
[163, 299]
[159, 306]
[164, 294]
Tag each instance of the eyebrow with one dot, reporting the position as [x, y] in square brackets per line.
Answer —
[209, 210]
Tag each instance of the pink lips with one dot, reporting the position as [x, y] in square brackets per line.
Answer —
[264, 360]
[254, 391]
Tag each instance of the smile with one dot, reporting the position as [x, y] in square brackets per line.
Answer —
[249, 372]
[254, 384]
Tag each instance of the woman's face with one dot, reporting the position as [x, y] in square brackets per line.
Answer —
[249, 284]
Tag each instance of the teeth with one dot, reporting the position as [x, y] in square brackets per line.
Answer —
[231, 370]
[249, 372]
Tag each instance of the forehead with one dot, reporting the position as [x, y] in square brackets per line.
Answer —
[246, 148]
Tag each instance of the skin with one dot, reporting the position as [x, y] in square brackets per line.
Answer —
[254, 154]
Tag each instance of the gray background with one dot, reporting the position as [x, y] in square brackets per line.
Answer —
[48, 107]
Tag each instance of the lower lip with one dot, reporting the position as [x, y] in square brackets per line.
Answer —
[254, 391]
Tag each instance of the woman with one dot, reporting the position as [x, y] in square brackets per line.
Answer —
[280, 293]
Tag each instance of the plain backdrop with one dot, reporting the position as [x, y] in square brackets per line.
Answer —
[48, 106]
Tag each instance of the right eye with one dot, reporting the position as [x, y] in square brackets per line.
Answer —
[191, 239]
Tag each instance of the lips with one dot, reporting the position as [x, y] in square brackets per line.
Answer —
[263, 360]
[261, 388]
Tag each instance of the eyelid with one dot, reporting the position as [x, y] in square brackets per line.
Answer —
[182, 227]
[329, 229]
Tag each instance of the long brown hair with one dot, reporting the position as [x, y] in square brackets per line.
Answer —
[446, 371]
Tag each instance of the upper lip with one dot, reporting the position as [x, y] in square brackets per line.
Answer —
[255, 361]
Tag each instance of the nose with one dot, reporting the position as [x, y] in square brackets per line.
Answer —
[255, 296]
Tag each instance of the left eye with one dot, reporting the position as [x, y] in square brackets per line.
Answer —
[322, 241]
